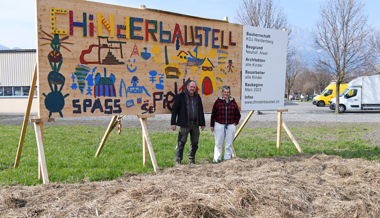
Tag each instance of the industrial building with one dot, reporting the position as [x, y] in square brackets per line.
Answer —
[16, 74]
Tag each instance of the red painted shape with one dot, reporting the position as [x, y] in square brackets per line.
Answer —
[177, 30]
[84, 52]
[207, 86]
[135, 51]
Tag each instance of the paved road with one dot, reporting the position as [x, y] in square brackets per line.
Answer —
[298, 112]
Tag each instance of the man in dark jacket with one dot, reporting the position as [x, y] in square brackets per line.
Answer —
[188, 113]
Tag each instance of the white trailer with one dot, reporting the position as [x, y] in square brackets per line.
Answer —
[362, 93]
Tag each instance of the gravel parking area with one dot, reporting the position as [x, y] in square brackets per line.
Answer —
[300, 114]
[297, 112]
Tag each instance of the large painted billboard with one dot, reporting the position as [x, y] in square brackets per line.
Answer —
[97, 59]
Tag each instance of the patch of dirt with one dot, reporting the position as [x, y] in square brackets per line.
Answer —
[298, 186]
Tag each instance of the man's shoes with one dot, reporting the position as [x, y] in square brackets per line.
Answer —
[192, 162]
[177, 163]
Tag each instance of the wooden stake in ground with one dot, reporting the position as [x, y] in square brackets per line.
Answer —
[41, 152]
[38, 129]
[280, 123]
[111, 125]
[147, 141]
[27, 113]
[144, 143]
[239, 130]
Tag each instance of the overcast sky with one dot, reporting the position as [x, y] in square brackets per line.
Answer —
[18, 26]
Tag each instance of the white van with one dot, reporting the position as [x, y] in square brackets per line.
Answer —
[362, 93]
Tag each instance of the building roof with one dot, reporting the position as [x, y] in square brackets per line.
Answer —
[17, 67]
[18, 50]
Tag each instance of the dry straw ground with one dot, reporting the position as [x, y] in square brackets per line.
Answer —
[299, 186]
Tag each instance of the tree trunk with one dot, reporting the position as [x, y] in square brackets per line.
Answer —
[337, 97]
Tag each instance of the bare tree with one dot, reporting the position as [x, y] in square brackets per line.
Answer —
[262, 13]
[294, 66]
[375, 44]
[322, 78]
[341, 33]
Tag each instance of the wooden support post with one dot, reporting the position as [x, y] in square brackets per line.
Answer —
[279, 123]
[147, 140]
[292, 137]
[25, 123]
[41, 152]
[239, 130]
[40, 122]
[108, 131]
[39, 166]
[145, 146]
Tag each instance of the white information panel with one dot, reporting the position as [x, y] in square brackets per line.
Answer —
[264, 68]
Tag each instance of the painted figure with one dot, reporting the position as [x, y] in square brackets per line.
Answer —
[207, 80]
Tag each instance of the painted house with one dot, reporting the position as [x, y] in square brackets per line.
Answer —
[16, 74]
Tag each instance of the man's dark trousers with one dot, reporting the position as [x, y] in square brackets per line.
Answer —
[193, 129]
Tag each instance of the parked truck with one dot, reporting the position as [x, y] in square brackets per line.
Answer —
[329, 93]
[362, 93]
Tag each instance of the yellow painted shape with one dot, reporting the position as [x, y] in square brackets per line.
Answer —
[182, 58]
[127, 28]
[54, 11]
[156, 49]
[210, 74]
[159, 60]
[194, 69]
[109, 27]
[175, 65]
[212, 53]
[199, 56]
[112, 26]
[100, 32]
[173, 57]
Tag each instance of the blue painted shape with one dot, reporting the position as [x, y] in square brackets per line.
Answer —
[133, 27]
[198, 35]
[73, 77]
[165, 32]
[159, 86]
[206, 29]
[122, 84]
[78, 24]
[134, 80]
[137, 90]
[97, 105]
[213, 39]
[145, 55]
[129, 61]
[130, 103]
[105, 86]
[74, 86]
[89, 79]
[153, 74]
[161, 81]
[89, 91]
